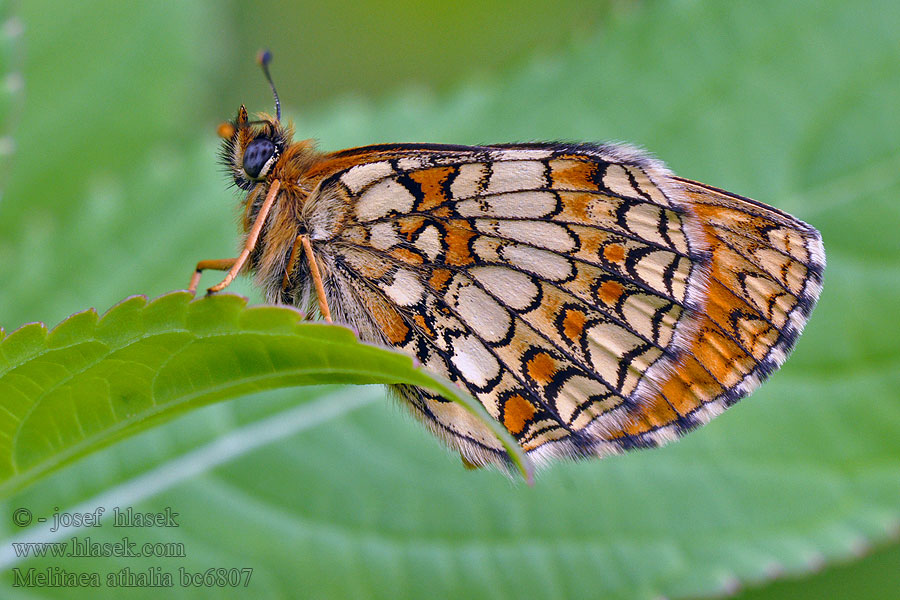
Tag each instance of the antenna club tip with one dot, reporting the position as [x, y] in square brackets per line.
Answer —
[264, 57]
[225, 130]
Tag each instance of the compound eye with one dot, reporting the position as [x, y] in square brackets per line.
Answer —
[257, 156]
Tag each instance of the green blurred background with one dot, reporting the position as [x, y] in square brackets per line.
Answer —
[112, 189]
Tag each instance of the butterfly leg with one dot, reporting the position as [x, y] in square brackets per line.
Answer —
[302, 243]
[251, 239]
[219, 264]
[316, 277]
[292, 262]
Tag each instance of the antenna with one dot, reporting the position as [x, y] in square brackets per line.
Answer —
[264, 58]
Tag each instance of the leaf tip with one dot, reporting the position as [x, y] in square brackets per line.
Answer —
[527, 471]
[169, 301]
[226, 298]
[216, 311]
[299, 314]
[29, 327]
[113, 322]
[126, 303]
[76, 324]
[23, 342]
[88, 311]
[270, 317]
[174, 294]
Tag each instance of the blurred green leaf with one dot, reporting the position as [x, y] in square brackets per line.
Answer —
[790, 103]
[10, 84]
[872, 577]
[109, 85]
[88, 383]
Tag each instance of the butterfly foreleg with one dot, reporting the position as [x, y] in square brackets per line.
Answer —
[217, 264]
[251, 239]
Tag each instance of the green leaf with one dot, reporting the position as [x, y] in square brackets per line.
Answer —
[90, 382]
[334, 494]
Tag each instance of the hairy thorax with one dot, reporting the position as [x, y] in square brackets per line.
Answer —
[306, 204]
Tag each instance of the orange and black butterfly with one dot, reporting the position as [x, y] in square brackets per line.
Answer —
[591, 300]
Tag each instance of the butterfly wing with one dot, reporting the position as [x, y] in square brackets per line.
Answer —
[589, 299]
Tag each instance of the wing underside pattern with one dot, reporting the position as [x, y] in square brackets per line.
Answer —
[589, 299]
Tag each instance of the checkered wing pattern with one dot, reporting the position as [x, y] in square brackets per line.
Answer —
[588, 298]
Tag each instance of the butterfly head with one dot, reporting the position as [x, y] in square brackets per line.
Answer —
[252, 149]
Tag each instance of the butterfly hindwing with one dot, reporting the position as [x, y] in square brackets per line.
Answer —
[763, 280]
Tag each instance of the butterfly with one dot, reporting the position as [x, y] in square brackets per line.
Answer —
[590, 299]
